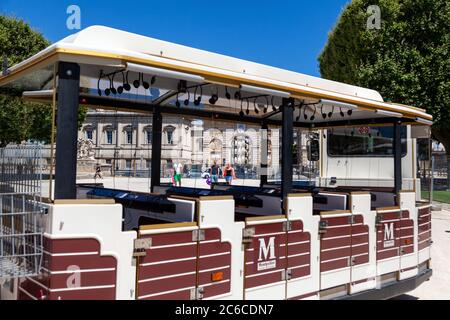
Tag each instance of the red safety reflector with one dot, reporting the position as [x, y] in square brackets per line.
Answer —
[217, 276]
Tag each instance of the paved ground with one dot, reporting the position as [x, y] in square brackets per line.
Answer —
[438, 287]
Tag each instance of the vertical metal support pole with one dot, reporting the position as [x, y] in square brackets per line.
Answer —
[432, 179]
[286, 148]
[67, 130]
[397, 146]
[264, 153]
[156, 149]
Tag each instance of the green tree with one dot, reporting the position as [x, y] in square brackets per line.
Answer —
[20, 120]
[407, 60]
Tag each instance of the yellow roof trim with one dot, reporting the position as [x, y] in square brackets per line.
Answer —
[214, 77]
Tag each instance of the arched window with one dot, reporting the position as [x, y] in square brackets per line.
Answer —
[109, 134]
[169, 134]
[89, 132]
[148, 135]
[128, 130]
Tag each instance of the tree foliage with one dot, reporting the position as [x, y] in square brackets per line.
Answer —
[407, 60]
[20, 120]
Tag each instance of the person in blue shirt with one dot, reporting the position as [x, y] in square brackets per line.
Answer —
[214, 171]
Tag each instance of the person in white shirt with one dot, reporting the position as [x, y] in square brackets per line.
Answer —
[178, 168]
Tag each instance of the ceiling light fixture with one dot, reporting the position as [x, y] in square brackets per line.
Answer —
[165, 73]
[389, 113]
[424, 121]
[264, 91]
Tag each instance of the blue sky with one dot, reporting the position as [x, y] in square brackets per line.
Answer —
[286, 34]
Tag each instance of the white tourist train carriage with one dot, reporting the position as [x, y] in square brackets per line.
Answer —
[277, 241]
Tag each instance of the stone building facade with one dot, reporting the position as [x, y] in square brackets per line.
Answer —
[123, 141]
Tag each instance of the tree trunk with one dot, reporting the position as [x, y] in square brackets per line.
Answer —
[443, 137]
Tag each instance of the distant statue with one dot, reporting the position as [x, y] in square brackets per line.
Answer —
[85, 149]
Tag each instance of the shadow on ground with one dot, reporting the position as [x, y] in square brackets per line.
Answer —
[405, 297]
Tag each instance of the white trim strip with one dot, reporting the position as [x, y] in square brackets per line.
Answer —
[209, 241]
[38, 283]
[336, 259]
[166, 277]
[336, 248]
[336, 237]
[70, 289]
[360, 234]
[71, 254]
[361, 254]
[215, 254]
[167, 230]
[27, 293]
[388, 211]
[83, 288]
[165, 292]
[294, 243]
[217, 282]
[214, 269]
[268, 234]
[361, 244]
[166, 261]
[298, 255]
[392, 220]
[259, 222]
[174, 245]
[302, 266]
[296, 231]
[78, 271]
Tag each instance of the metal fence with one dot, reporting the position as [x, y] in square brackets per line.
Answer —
[21, 169]
[20, 210]
[20, 235]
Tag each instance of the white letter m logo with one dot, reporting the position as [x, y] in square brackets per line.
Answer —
[268, 251]
[389, 231]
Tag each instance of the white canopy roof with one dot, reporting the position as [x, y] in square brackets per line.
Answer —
[101, 45]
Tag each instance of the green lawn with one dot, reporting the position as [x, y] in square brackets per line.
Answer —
[441, 196]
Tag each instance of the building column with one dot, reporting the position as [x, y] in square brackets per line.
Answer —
[156, 149]
[397, 147]
[286, 148]
[67, 130]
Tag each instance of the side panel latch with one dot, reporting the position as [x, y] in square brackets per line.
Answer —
[141, 246]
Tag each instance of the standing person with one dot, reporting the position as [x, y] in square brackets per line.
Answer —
[178, 168]
[214, 172]
[98, 172]
[228, 173]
